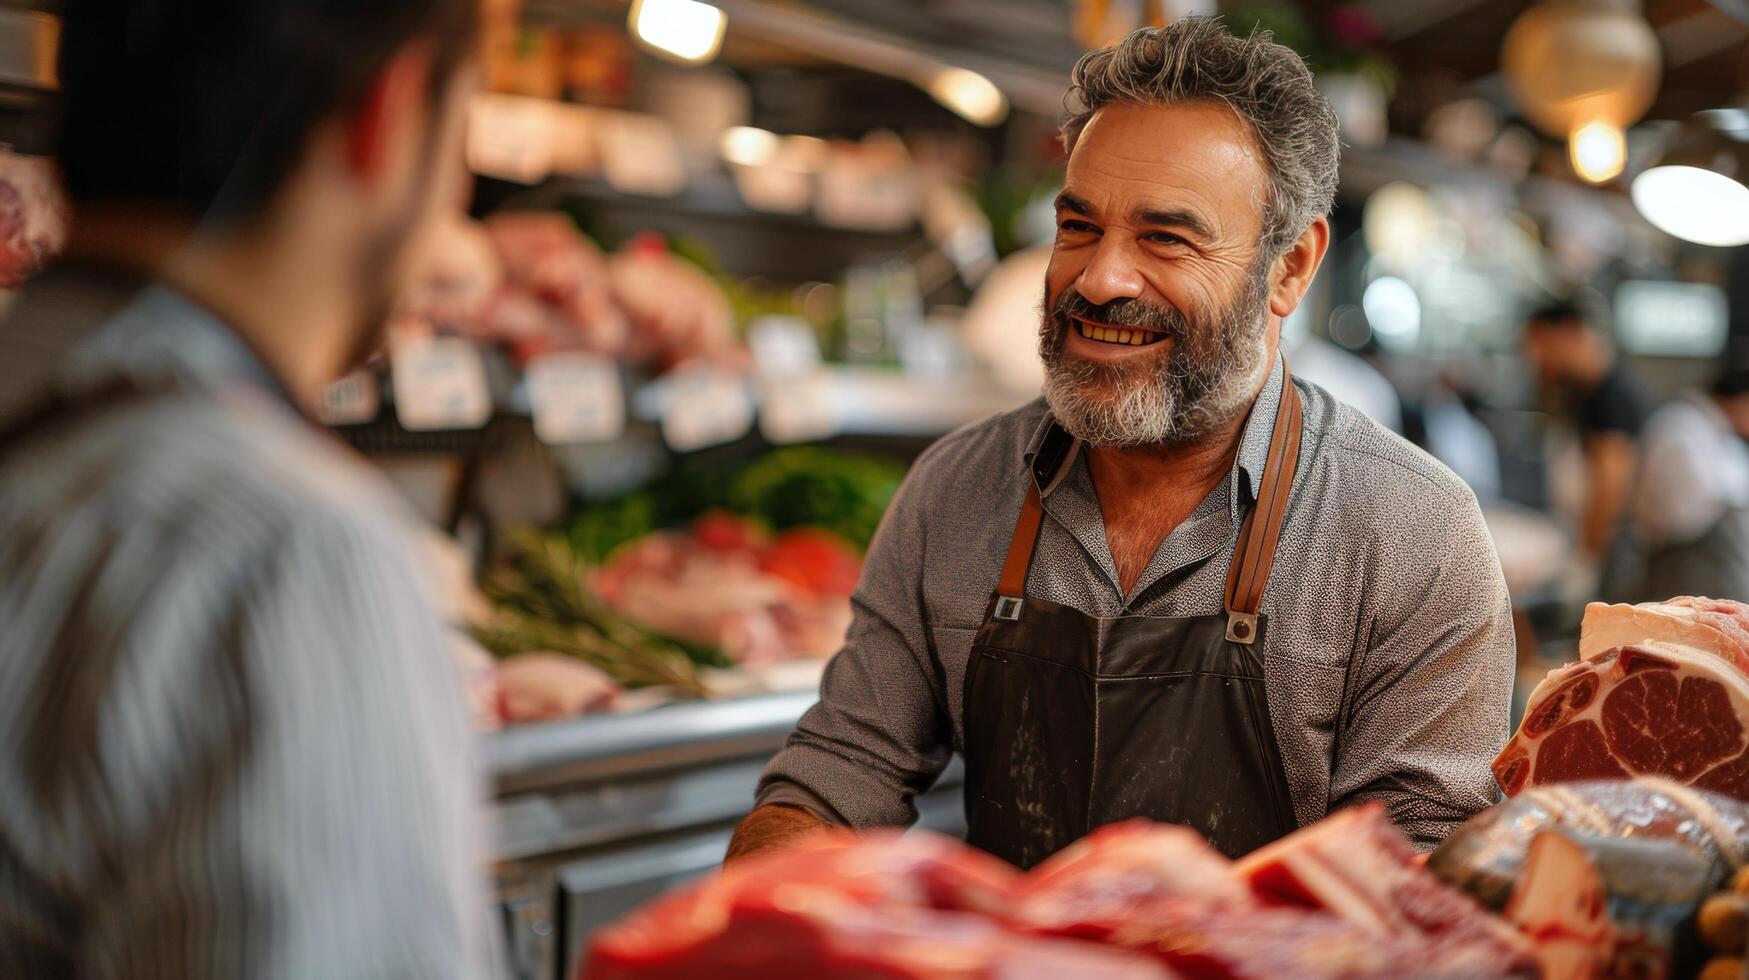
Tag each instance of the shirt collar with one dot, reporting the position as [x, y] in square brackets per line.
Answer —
[1051, 451]
[159, 336]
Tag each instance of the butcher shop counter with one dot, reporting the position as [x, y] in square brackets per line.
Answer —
[595, 816]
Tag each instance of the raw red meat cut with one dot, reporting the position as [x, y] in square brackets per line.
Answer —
[726, 583]
[763, 939]
[1718, 626]
[1343, 900]
[1651, 708]
[1560, 903]
[837, 905]
[1102, 883]
[1357, 867]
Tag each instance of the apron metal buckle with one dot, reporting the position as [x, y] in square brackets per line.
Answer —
[1241, 627]
[1008, 608]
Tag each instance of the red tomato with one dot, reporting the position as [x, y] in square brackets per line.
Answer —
[816, 560]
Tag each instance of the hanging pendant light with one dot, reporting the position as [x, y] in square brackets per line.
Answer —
[1699, 189]
[1570, 63]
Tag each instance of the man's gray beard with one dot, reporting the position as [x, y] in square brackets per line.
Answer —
[1209, 376]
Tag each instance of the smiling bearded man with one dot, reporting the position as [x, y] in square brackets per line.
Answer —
[1182, 585]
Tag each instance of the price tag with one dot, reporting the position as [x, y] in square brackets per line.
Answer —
[783, 346]
[703, 408]
[574, 398]
[510, 137]
[798, 409]
[439, 383]
[352, 400]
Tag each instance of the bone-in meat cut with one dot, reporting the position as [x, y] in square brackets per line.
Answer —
[1660, 690]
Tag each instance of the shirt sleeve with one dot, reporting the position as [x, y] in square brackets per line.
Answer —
[880, 733]
[317, 806]
[1615, 406]
[1430, 692]
[1678, 498]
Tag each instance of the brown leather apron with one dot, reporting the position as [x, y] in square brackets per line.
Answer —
[1074, 721]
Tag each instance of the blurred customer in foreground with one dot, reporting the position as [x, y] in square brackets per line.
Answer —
[1574, 359]
[1691, 507]
[231, 744]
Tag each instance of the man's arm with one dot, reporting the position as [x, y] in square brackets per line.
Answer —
[770, 827]
[1609, 471]
[880, 732]
[1430, 691]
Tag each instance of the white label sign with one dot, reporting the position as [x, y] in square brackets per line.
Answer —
[575, 397]
[703, 408]
[783, 346]
[352, 400]
[439, 383]
[798, 409]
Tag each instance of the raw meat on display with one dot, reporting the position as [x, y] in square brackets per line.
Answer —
[33, 217]
[541, 686]
[1131, 900]
[1560, 903]
[1103, 883]
[1718, 626]
[1485, 856]
[1357, 867]
[1651, 709]
[1657, 847]
[726, 583]
[839, 905]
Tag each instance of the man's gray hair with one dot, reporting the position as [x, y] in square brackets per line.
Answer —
[1196, 59]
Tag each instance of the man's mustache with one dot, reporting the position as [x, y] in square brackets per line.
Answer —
[1124, 312]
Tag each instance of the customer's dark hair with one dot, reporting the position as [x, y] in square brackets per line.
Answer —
[1559, 313]
[1268, 86]
[208, 105]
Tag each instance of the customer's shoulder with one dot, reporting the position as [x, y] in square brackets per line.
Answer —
[1377, 466]
[233, 467]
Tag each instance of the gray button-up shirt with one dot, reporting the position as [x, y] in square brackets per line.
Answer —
[1389, 653]
[232, 743]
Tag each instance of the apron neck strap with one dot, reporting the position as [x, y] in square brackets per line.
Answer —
[1253, 556]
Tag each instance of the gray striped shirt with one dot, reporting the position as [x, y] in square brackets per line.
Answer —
[231, 741]
[1389, 652]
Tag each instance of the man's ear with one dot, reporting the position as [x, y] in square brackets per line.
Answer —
[391, 113]
[1292, 273]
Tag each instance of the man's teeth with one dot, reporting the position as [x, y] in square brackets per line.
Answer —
[1116, 335]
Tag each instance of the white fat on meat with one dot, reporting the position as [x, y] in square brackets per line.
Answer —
[1561, 905]
[1718, 626]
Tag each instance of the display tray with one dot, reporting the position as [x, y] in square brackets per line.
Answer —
[594, 816]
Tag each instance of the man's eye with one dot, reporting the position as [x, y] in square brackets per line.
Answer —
[1079, 228]
[1162, 238]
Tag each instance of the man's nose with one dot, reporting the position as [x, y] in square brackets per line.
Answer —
[1113, 273]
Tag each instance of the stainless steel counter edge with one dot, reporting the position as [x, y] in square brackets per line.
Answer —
[531, 757]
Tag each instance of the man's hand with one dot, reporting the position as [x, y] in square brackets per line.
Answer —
[771, 827]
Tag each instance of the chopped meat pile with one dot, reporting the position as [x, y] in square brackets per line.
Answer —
[33, 217]
[725, 582]
[1342, 899]
[1660, 690]
[532, 281]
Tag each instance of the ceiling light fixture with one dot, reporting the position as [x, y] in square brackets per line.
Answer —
[683, 30]
[1696, 191]
[1598, 151]
[969, 94]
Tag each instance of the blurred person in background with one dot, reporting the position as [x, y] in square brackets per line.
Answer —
[231, 742]
[1579, 366]
[1691, 504]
